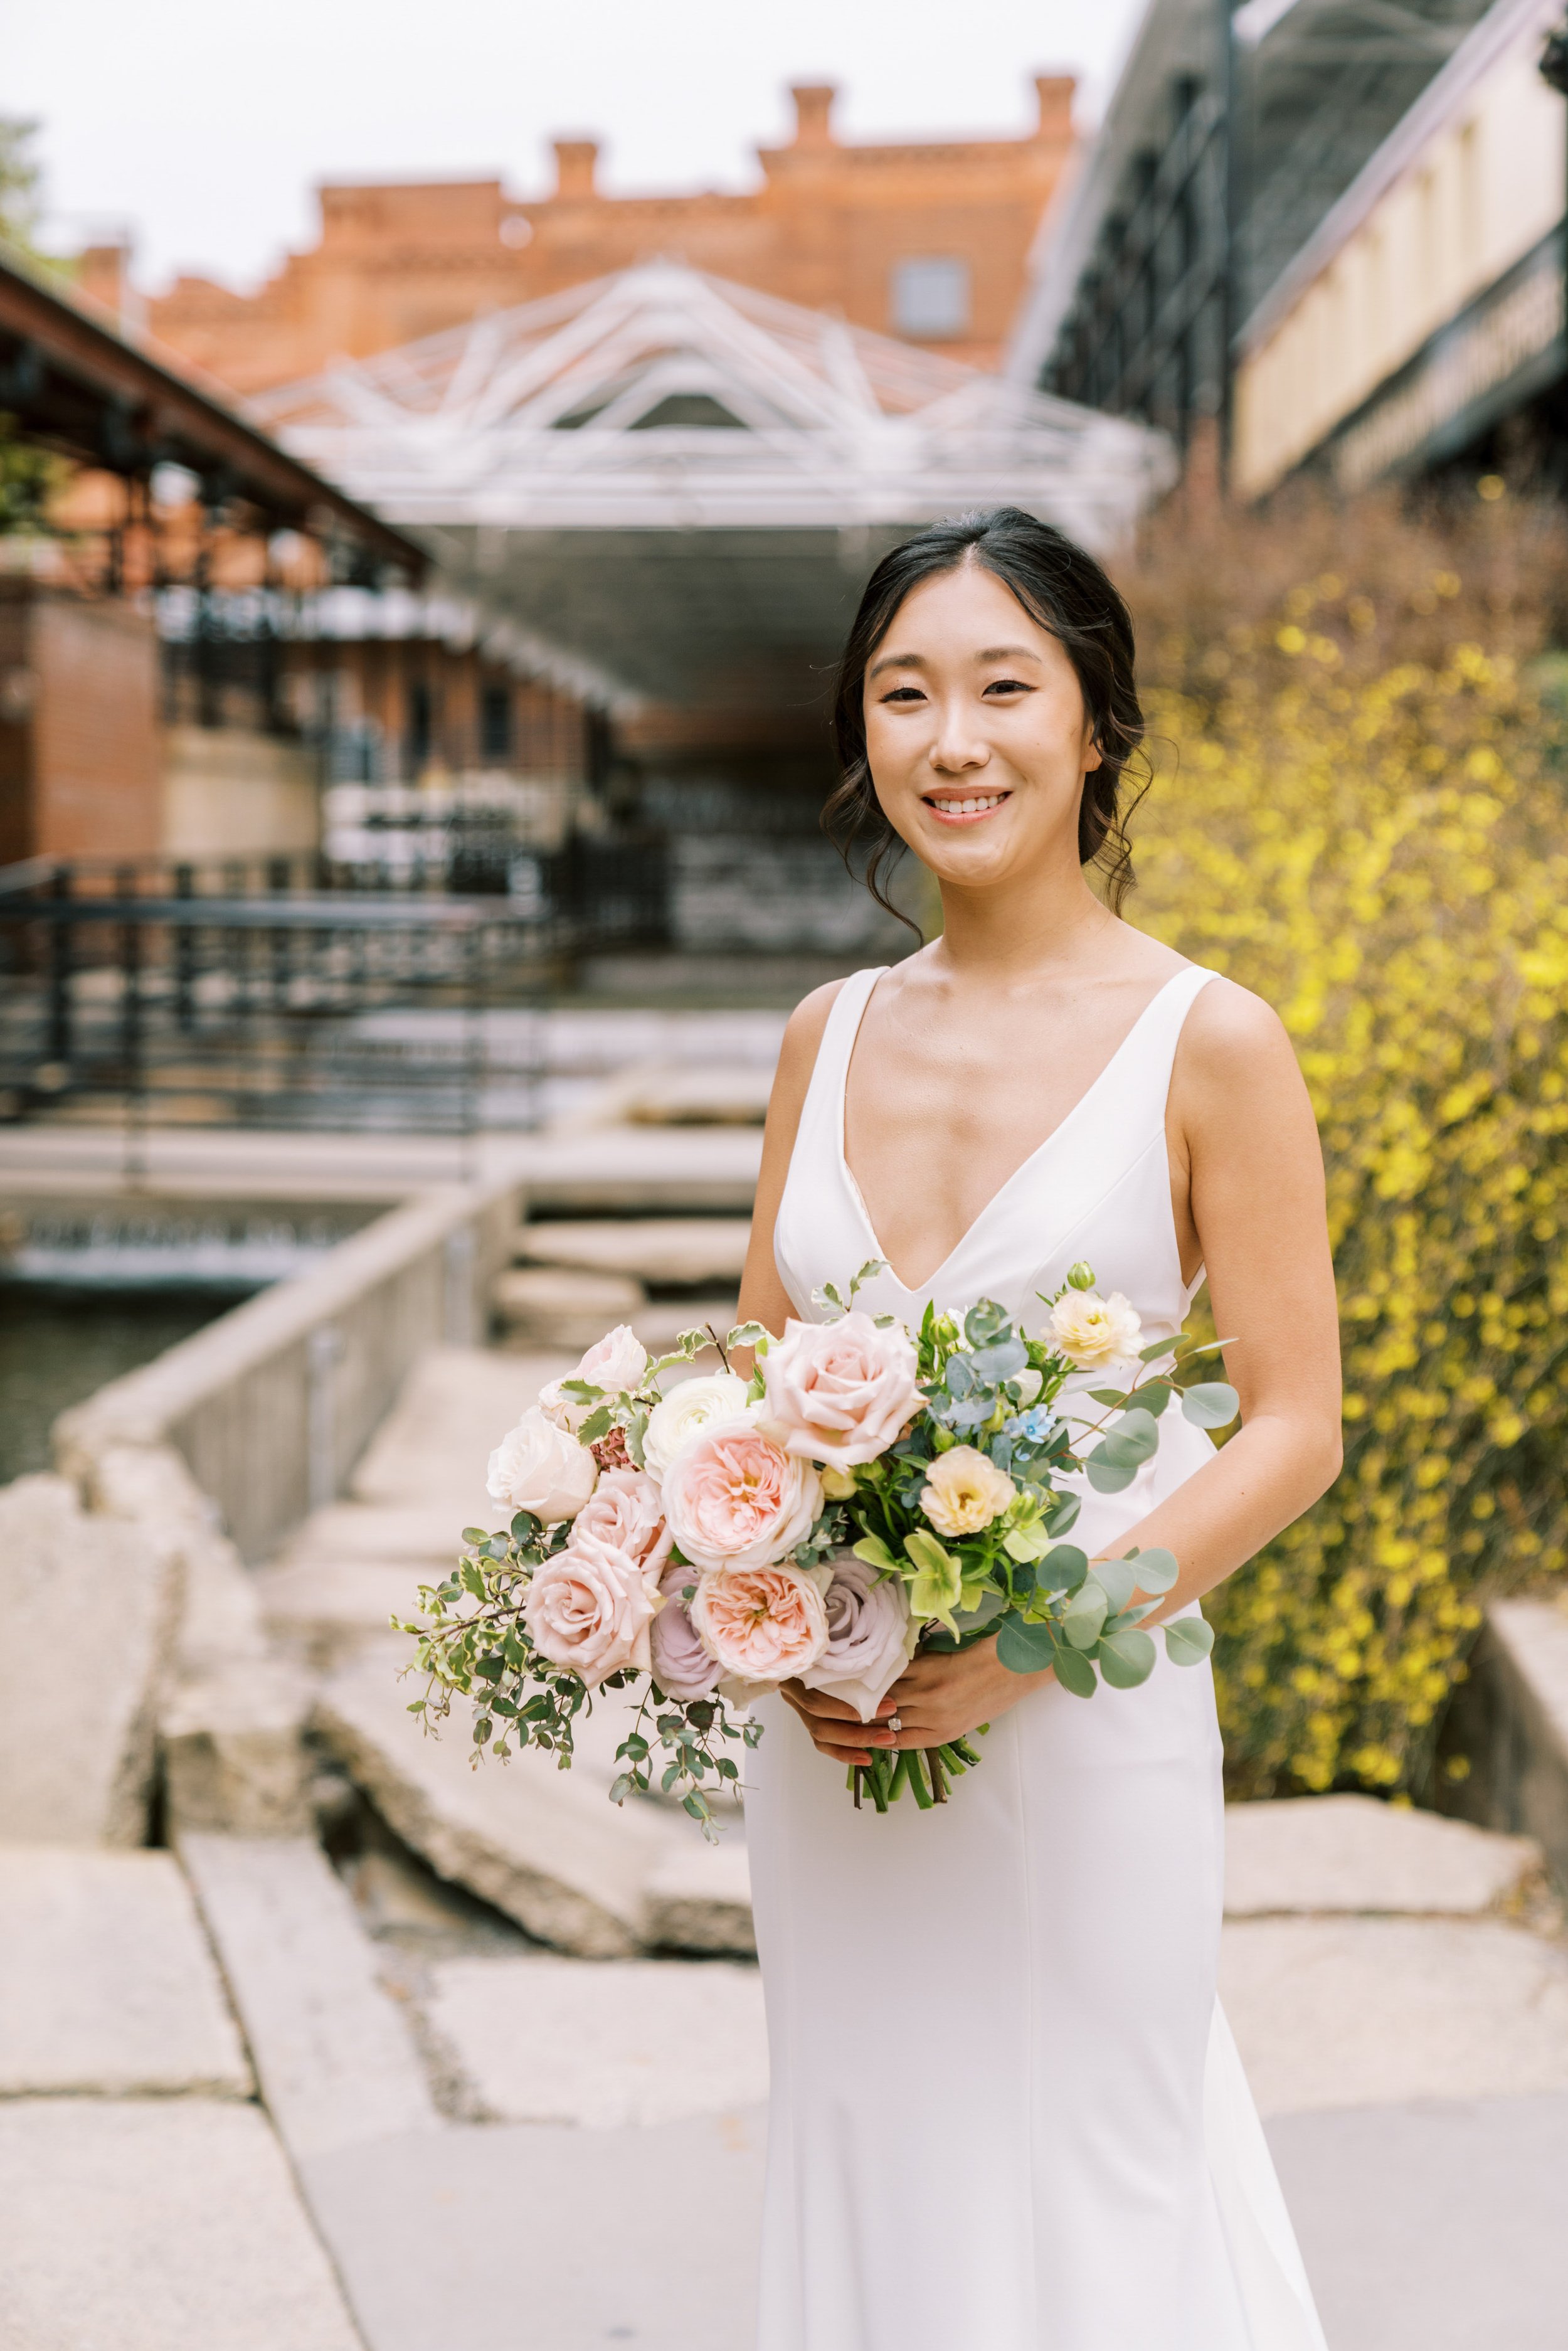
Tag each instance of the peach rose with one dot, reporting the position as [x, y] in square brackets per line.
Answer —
[1095, 1330]
[840, 1392]
[591, 1607]
[761, 1623]
[613, 1364]
[964, 1491]
[735, 1499]
[626, 1512]
[685, 1412]
[539, 1467]
[682, 1666]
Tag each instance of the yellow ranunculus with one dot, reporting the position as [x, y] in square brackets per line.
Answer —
[965, 1491]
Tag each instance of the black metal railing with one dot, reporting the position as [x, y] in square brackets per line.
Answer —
[243, 991]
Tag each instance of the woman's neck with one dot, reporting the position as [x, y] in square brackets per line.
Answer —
[1021, 927]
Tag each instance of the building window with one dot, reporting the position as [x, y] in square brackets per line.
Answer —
[495, 723]
[931, 297]
[421, 725]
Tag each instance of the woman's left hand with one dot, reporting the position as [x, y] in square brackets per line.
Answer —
[943, 1695]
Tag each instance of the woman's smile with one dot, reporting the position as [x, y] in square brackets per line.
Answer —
[964, 808]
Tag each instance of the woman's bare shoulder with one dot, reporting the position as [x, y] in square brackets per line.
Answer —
[801, 1043]
[1233, 1046]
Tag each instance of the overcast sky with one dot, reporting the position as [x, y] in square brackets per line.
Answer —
[201, 126]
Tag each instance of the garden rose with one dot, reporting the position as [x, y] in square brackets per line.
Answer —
[625, 1511]
[682, 1666]
[1095, 1330]
[539, 1467]
[964, 1491]
[840, 1392]
[688, 1409]
[617, 1360]
[761, 1623]
[871, 1636]
[589, 1608]
[736, 1499]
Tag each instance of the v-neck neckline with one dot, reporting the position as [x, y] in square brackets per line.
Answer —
[928, 1285]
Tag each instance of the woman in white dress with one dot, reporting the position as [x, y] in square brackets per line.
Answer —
[1007, 2114]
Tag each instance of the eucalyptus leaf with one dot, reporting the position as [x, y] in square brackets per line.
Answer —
[1127, 1659]
[1085, 1614]
[1001, 1361]
[1062, 1512]
[1188, 1640]
[1117, 1579]
[1153, 1395]
[1107, 1396]
[1024, 1648]
[1063, 1568]
[1213, 1403]
[1074, 1672]
[1158, 1569]
[1157, 1348]
[1108, 1477]
[960, 1376]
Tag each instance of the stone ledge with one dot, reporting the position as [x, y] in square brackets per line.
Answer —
[1352, 1853]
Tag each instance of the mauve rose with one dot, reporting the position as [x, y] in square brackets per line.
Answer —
[615, 1363]
[871, 1636]
[682, 1666]
[591, 1607]
[734, 1498]
[539, 1467]
[625, 1511]
[761, 1623]
[840, 1392]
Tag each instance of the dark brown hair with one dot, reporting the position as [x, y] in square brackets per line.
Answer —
[1065, 590]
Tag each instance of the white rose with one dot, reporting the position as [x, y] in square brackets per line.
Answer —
[685, 1412]
[613, 1364]
[1095, 1330]
[539, 1467]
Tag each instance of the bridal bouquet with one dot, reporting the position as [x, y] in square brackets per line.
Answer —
[869, 1490]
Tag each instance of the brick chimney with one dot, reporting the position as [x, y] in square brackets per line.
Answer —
[103, 273]
[1054, 92]
[576, 160]
[813, 106]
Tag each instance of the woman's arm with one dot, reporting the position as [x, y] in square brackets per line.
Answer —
[1241, 1122]
[763, 1296]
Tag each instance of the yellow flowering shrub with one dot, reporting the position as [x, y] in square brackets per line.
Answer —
[1380, 851]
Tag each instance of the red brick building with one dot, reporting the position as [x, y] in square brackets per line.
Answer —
[927, 240]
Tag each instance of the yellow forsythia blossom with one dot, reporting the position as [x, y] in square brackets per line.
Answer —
[1384, 858]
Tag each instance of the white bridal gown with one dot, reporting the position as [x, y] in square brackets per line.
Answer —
[1007, 2111]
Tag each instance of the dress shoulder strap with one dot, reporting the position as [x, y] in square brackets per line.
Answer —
[1152, 1047]
[821, 1114]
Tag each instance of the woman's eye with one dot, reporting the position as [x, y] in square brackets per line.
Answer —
[905, 693]
[1008, 685]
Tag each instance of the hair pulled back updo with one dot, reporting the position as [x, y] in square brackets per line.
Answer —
[1066, 592]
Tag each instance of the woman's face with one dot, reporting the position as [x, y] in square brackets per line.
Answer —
[976, 731]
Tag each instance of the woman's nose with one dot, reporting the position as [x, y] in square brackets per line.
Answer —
[959, 743]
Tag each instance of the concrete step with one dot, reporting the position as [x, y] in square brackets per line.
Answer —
[167, 2224]
[86, 1781]
[1351, 1853]
[545, 1847]
[108, 1985]
[430, 1453]
[558, 1306]
[663, 1251]
[540, 2039]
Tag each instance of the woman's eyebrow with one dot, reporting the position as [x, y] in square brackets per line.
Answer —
[896, 661]
[1007, 653]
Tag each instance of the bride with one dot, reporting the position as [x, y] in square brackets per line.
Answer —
[1006, 2113]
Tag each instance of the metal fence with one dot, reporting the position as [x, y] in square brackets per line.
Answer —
[253, 992]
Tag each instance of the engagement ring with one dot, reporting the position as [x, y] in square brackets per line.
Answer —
[893, 1723]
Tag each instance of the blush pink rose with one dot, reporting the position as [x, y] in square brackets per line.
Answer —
[871, 1636]
[735, 1499]
[682, 1666]
[840, 1392]
[612, 1365]
[625, 1511]
[590, 1608]
[761, 1623]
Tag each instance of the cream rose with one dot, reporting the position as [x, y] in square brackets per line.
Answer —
[1094, 1331]
[682, 1666]
[964, 1491]
[761, 1623]
[612, 1364]
[539, 1467]
[734, 1498]
[840, 1392]
[590, 1608]
[871, 1636]
[685, 1412]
